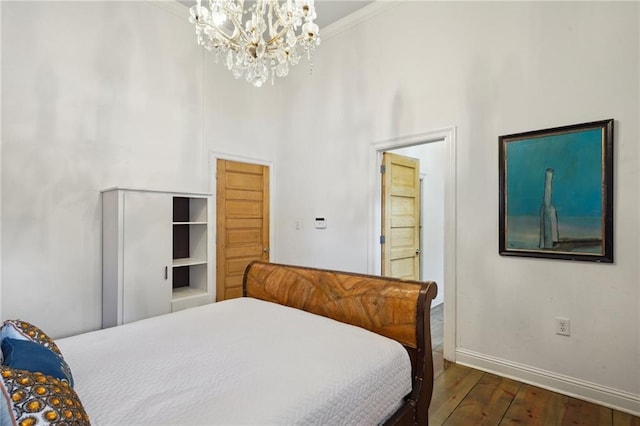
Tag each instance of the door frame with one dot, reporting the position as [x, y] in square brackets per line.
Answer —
[447, 136]
[214, 156]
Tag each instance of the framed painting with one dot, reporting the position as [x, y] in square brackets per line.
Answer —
[556, 193]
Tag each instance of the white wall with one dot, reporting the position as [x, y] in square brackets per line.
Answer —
[488, 69]
[95, 95]
[102, 94]
[0, 167]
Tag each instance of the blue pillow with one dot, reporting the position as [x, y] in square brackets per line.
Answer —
[22, 330]
[31, 356]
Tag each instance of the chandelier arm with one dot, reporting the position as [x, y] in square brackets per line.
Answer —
[281, 19]
[275, 38]
[270, 20]
[224, 36]
[241, 7]
[241, 30]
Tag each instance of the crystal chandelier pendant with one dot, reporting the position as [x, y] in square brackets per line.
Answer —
[272, 32]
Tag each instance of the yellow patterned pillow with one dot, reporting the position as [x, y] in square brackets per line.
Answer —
[35, 399]
[23, 330]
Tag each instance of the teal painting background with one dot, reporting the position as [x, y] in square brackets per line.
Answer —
[576, 159]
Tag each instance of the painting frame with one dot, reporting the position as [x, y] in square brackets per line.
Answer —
[556, 193]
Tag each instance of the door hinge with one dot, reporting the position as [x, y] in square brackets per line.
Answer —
[383, 169]
[382, 239]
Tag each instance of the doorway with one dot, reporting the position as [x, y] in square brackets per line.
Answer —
[444, 142]
[242, 222]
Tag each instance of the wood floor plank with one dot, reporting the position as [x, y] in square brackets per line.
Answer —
[486, 403]
[578, 412]
[437, 328]
[465, 396]
[438, 364]
[624, 419]
[449, 390]
[536, 406]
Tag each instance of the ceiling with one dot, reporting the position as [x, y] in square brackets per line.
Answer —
[328, 11]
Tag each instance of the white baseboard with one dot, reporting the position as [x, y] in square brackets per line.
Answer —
[577, 388]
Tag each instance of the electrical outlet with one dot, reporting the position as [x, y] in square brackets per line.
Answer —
[563, 326]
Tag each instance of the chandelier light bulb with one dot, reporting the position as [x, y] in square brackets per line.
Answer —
[262, 41]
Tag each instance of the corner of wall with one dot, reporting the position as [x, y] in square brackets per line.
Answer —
[171, 6]
[0, 168]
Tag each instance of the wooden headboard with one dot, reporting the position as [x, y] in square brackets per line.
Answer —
[398, 309]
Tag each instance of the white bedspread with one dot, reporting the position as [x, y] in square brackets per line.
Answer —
[242, 361]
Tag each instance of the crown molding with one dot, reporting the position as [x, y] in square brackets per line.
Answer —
[173, 7]
[358, 17]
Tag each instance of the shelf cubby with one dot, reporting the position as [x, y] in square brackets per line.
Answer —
[189, 247]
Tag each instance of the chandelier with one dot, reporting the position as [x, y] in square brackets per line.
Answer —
[262, 41]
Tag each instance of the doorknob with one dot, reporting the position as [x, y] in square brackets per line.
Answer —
[265, 250]
[418, 251]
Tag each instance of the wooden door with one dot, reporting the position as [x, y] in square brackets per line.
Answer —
[242, 228]
[400, 216]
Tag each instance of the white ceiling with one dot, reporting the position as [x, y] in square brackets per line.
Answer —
[328, 11]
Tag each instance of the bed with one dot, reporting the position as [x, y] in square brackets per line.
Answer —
[363, 357]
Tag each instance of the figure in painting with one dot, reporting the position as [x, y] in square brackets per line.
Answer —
[548, 217]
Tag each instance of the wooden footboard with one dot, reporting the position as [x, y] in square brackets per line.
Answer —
[398, 309]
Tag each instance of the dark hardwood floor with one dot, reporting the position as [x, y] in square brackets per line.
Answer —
[468, 397]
